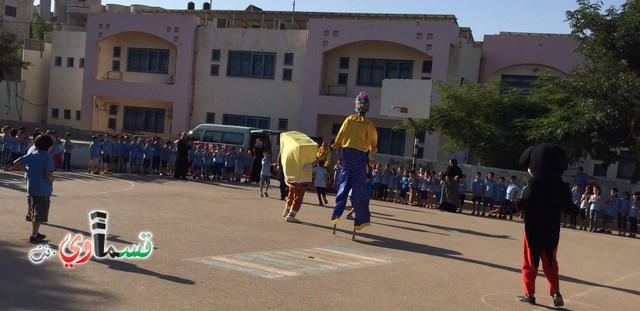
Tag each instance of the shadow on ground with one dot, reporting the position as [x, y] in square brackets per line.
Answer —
[26, 286]
[391, 243]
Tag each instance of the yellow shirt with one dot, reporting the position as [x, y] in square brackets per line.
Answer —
[359, 133]
[324, 155]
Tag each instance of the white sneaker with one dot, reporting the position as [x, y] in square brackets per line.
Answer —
[261, 195]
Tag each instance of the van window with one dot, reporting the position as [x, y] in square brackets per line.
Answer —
[225, 138]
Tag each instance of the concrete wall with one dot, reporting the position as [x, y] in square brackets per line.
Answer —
[18, 27]
[11, 102]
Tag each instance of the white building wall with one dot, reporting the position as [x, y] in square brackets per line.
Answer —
[65, 82]
[36, 79]
[11, 94]
[469, 64]
[273, 98]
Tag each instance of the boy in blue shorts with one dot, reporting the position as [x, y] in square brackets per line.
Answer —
[462, 191]
[39, 183]
[265, 174]
[612, 211]
[477, 187]
[94, 155]
[489, 193]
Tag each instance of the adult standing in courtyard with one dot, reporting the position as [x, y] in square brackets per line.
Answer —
[182, 158]
[452, 175]
[258, 150]
[358, 138]
[548, 197]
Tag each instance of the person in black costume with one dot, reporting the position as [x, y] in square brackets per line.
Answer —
[182, 158]
[548, 198]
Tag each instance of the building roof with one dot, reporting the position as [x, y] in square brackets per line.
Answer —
[295, 20]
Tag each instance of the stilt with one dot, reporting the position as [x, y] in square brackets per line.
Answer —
[334, 229]
[353, 234]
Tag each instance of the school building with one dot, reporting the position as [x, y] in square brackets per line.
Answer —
[152, 71]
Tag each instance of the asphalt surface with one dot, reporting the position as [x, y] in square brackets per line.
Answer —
[220, 246]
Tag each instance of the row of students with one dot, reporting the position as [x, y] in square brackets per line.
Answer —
[16, 143]
[598, 214]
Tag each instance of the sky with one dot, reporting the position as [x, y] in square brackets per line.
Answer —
[482, 16]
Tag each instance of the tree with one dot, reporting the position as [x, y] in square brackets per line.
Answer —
[39, 27]
[595, 109]
[10, 61]
[483, 118]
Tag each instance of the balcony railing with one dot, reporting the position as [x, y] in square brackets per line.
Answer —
[112, 75]
[336, 90]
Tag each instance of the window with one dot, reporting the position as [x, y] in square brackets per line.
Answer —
[210, 118]
[343, 78]
[148, 60]
[58, 61]
[113, 109]
[371, 72]
[287, 74]
[214, 70]
[77, 115]
[250, 121]
[70, 61]
[224, 138]
[81, 63]
[215, 55]
[283, 124]
[288, 59]
[524, 83]
[112, 123]
[143, 119]
[344, 62]
[67, 114]
[599, 170]
[10, 11]
[115, 65]
[117, 51]
[251, 64]
[391, 142]
[427, 65]
[335, 128]
[54, 113]
[626, 164]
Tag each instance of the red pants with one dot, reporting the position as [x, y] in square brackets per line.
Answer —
[530, 270]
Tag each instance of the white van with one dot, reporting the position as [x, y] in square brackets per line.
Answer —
[231, 135]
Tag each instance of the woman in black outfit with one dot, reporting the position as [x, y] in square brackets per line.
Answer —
[182, 158]
[258, 149]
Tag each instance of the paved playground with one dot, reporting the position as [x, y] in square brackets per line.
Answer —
[220, 246]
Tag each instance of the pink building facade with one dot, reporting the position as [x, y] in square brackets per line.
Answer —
[516, 53]
[141, 64]
[432, 46]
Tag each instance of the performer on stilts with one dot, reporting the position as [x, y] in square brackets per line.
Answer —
[548, 198]
[358, 138]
